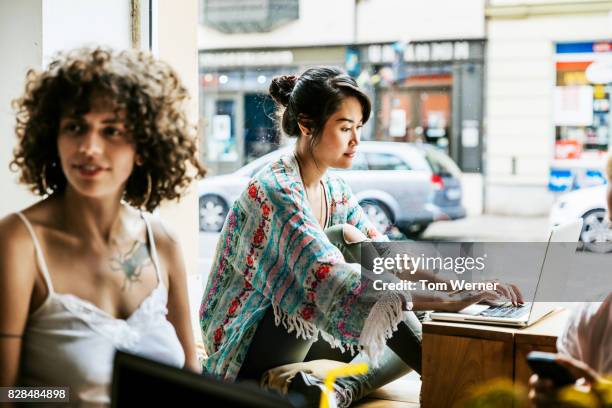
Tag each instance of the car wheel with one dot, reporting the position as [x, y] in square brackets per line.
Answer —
[415, 231]
[596, 234]
[378, 214]
[213, 210]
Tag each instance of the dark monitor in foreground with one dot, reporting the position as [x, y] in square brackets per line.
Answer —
[141, 382]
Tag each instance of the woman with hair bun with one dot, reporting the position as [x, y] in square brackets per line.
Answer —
[103, 137]
[286, 271]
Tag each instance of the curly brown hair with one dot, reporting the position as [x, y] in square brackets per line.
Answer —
[153, 100]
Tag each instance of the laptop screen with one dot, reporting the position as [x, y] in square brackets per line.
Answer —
[142, 382]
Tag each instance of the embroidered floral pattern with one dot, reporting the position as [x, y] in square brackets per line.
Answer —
[307, 312]
[218, 334]
[252, 191]
[322, 272]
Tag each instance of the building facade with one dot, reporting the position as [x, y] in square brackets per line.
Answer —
[547, 100]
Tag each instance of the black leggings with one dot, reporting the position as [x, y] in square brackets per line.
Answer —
[273, 346]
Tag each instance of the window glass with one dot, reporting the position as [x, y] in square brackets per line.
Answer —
[442, 164]
[386, 161]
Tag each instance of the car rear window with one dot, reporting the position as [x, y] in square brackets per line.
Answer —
[386, 161]
[442, 164]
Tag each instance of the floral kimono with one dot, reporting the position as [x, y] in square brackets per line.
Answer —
[273, 253]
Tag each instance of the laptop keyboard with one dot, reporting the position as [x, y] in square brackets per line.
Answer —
[505, 311]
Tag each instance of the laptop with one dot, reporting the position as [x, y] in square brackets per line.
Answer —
[522, 315]
[138, 381]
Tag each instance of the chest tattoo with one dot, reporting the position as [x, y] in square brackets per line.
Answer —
[131, 263]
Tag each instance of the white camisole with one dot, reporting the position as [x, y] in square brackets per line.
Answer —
[69, 341]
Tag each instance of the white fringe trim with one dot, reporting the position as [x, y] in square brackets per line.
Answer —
[335, 343]
[303, 329]
[384, 317]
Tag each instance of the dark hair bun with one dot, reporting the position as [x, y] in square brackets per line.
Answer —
[281, 88]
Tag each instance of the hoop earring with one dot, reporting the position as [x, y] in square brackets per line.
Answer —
[148, 193]
[43, 179]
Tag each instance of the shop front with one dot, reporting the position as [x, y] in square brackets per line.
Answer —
[237, 116]
[428, 92]
[581, 114]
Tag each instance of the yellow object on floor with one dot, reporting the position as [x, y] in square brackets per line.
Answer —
[350, 369]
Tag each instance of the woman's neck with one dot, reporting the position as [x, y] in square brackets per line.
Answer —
[97, 219]
[311, 171]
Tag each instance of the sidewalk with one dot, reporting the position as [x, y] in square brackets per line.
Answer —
[490, 228]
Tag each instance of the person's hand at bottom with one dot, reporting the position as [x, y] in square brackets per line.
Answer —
[543, 392]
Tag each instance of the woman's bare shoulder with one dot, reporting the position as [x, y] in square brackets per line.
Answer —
[15, 238]
[12, 228]
[42, 213]
[166, 239]
[17, 251]
[166, 243]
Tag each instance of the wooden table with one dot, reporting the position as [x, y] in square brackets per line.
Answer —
[457, 356]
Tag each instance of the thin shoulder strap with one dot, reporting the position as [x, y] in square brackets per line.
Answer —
[42, 265]
[152, 246]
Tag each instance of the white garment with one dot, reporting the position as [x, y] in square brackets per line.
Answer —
[71, 342]
[588, 336]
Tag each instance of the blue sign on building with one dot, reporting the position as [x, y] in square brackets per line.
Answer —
[560, 180]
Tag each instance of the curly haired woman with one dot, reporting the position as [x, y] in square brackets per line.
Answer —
[102, 136]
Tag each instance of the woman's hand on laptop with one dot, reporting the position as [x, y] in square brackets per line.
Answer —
[508, 291]
[452, 301]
